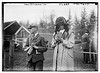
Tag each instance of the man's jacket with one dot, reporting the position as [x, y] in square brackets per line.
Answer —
[40, 42]
[85, 38]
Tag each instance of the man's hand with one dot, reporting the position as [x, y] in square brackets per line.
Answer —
[27, 48]
[35, 47]
[32, 44]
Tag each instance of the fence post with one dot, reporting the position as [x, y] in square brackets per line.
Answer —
[90, 49]
[11, 51]
[3, 59]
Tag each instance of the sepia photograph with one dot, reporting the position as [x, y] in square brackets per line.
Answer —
[50, 36]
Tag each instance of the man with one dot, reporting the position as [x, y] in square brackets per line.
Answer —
[35, 46]
[86, 40]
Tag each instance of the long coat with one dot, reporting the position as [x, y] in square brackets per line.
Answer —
[63, 57]
[85, 38]
[86, 47]
[96, 49]
[41, 43]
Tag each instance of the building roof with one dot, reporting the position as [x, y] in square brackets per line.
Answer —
[22, 27]
[6, 24]
[10, 28]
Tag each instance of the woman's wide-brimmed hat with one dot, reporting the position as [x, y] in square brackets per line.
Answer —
[61, 21]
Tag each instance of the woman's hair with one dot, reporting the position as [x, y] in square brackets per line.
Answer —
[61, 21]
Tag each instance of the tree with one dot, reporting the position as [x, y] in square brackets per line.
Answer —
[76, 22]
[41, 24]
[20, 22]
[92, 18]
[51, 19]
[69, 18]
[92, 21]
[27, 24]
[84, 19]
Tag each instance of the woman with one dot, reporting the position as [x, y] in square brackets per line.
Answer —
[63, 42]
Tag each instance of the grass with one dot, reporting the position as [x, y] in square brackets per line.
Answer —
[48, 60]
[20, 60]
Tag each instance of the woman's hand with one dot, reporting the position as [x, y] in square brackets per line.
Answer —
[32, 45]
[64, 44]
[53, 46]
[58, 41]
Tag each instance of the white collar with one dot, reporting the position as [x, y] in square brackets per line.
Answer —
[36, 34]
[62, 31]
[86, 33]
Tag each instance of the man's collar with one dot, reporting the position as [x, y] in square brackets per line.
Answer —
[62, 31]
[86, 33]
[36, 34]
